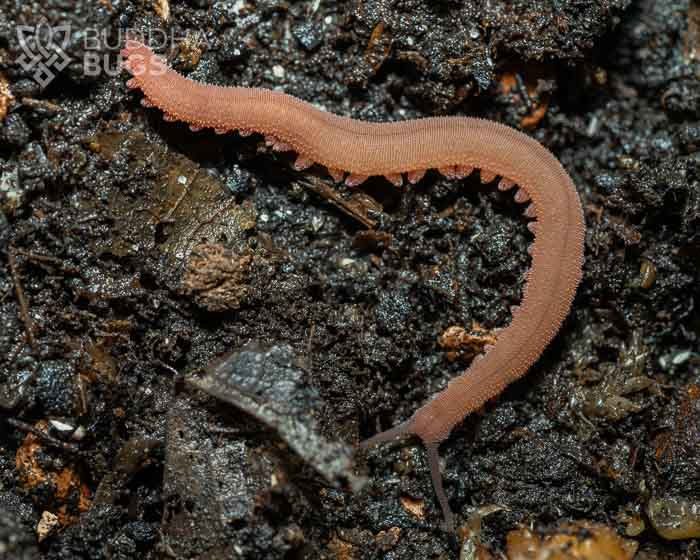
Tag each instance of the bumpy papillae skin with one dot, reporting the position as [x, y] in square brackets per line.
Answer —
[453, 145]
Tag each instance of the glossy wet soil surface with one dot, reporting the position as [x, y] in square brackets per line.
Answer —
[194, 336]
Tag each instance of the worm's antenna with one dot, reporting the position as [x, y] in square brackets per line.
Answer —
[402, 430]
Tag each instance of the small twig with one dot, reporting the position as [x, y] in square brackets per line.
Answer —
[88, 218]
[23, 305]
[73, 448]
[48, 260]
[309, 344]
[165, 366]
[41, 104]
[112, 335]
[331, 195]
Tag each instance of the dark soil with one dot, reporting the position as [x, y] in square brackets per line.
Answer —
[134, 254]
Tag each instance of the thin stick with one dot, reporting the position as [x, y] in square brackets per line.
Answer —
[23, 305]
[42, 435]
[347, 206]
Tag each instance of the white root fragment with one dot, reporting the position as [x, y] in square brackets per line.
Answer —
[336, 174]
[145, 102]
[353, 180]
[245, 132]
[415, 176]
[169, 118]
[531, 211]
[486, 176]
[533, 227]
[221, 130]
[132, 83]
[505, 184]
[302, 162]
[521, 196]
[195, 128]
[395, 179]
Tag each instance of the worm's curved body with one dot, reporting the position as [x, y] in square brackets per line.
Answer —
[454, 145]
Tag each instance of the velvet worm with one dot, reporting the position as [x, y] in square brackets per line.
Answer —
[353, 150]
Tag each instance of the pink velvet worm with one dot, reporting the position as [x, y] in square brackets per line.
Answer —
[354, 150]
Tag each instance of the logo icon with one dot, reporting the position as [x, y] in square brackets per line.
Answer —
[43, 50]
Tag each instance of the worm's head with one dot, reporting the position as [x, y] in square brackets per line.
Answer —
[139, 60]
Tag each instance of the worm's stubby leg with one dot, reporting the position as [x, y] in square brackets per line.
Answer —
[403, 430]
